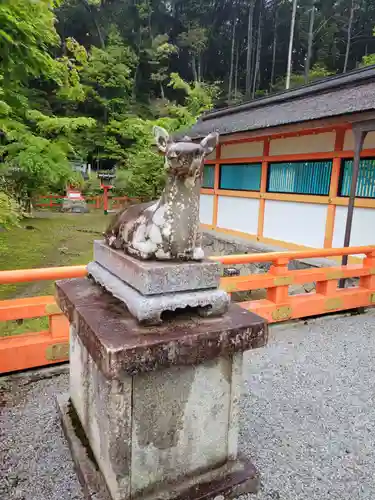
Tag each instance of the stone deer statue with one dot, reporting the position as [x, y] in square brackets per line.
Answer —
[167, 229]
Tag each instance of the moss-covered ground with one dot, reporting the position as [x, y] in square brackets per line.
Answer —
[46, 240]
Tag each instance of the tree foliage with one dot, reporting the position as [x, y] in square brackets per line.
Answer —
[85, 80]
[35, 144]
[9, 211]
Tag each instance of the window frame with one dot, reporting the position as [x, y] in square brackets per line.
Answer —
[341, 178]
[246, 164]
[270, 163]
[203, 186]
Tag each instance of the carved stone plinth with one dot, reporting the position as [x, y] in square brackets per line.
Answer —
[151, 288]
[152, 277]
[153, 412]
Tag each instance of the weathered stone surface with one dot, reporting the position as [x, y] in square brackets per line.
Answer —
[156, 277]
[149, 308]
[234, 407]
[153, 429]
[227, 481]
[156, 408]
[181, 422]
[118, 344]
[169, 227]
[104, 410]
[92, 480]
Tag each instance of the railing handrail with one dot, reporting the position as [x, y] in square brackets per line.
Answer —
[42, 274]
[54, 273]
[292, 255]
[34, 349]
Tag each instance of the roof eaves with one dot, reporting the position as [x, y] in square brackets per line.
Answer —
[352, 78]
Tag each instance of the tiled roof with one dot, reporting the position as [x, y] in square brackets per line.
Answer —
[341, 95]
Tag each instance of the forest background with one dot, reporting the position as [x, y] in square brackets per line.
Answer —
[85, 80]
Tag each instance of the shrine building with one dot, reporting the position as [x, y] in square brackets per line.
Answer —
[282, 172]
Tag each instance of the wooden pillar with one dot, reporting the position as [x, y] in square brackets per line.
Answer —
[105, 199]
[359, 139]
[359, 132]
[216, 186]
[334, 186]
[263, 188]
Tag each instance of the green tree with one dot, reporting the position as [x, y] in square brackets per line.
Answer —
[160, 53]
[85, 77]
[142, 172]
[108, 76]
[368, 60]
[195, 41]
[35, 146]
[223, 41]
[317, 72]
[9, 211]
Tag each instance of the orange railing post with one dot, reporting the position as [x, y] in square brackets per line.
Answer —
[369, 264]
[31, 350]
[279, 293]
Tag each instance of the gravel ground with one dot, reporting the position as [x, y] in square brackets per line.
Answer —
[35, 462]
[308, 419]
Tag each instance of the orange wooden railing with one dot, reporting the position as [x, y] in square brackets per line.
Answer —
[30, 350]
[54, 200]
[44, 274]
[280, 306]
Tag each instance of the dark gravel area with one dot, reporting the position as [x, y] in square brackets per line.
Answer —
[35, 462]
[309, 417]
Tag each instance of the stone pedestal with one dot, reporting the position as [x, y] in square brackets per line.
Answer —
[153, 411]
[151, 288]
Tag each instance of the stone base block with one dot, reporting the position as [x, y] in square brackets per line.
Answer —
[149, 308]
[234, 478]
[74, 206]
[156, 409]
[156, 277]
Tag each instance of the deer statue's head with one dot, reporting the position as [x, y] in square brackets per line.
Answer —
[184, 158]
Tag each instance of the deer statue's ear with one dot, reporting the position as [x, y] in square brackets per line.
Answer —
[161, 137]
[210, 142]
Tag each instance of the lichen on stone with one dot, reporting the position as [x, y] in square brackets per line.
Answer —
[168, 229]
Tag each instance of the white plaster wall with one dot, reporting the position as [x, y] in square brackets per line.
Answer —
[238, 214]
[363, 229]
[242, 150]
[349, 141]
[206, 209]
[299, 223]
[211, 156]
[235, 137]
[314, 143]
